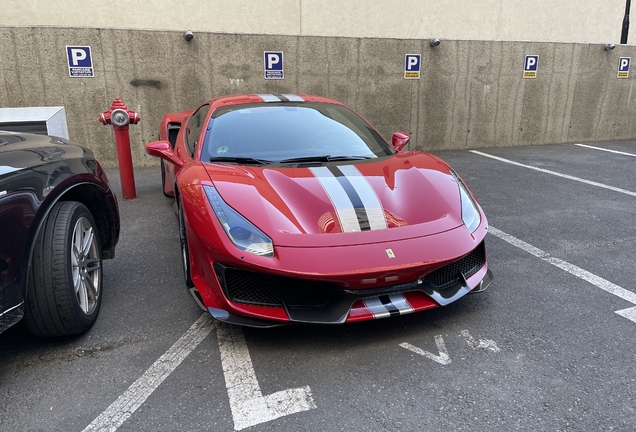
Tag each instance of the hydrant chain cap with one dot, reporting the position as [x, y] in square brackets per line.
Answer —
[119, 117]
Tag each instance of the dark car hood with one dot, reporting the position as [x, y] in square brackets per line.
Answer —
[54, 159]
[415, 195]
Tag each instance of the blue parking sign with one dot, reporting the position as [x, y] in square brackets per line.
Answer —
[530, 66]
[80, 61]
[623, 67]
[273, 62]
[412, 66]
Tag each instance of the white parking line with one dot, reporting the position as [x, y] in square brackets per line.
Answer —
[120, 410]
[488, 344]
[249, 406]
[442, 358]
[554, 173]
[606, 150]
[598, 281]
[629, 313]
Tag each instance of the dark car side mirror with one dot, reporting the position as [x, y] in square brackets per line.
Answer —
[163, 150]
[399, 140]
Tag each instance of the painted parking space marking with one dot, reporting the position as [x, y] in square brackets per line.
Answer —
[120, 410]
[606, 150]
[479, 343]
[442, 357]
[589, 182]
[249, 406]
[629, 313]
[595, 280]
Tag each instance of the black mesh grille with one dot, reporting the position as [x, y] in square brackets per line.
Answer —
[247, 287]
[260, 289]
[451, 273]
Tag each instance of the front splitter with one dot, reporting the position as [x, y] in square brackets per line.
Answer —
[339, 307]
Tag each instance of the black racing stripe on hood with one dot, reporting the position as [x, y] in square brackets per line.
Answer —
[356, 201]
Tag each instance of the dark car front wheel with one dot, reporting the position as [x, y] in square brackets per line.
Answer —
[64, 290]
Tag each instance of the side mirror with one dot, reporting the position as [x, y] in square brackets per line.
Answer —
[163, 150]
[399, 140]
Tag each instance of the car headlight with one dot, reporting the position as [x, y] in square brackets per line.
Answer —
[239, 230]
[470, 211]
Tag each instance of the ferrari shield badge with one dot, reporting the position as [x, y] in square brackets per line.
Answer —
[389, 253]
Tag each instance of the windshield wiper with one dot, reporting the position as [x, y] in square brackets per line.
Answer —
[323, 158]
[240, 160]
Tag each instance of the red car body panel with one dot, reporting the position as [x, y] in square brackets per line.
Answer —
[171, 123]
[418, 194]
[283, 202]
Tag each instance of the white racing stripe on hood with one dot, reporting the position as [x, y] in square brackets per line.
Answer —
[356, 204]
[371, 202]
[294, 98]
[269, 98]
[339, 199]
[280, 98]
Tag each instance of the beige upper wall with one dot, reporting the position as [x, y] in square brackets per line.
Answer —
[539, 20]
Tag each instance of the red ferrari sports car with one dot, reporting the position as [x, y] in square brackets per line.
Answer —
[293, 208]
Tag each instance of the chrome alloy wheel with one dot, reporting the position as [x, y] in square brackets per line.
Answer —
[85, 265]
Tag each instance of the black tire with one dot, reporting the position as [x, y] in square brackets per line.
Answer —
[64, 289]
[185, 251]
[163, 180]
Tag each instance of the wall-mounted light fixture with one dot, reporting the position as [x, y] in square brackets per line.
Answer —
[188, 35]
[609, 47]
[434, 42]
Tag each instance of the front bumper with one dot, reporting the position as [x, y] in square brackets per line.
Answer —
[332, 285]
[361, 305]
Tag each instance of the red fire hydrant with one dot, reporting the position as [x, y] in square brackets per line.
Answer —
[120, 117]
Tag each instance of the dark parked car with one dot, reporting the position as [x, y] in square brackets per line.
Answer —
[58, 220]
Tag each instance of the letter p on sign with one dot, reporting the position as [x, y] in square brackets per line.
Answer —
[623, 67]
[77, 54]
[272, 59]
[411, 62]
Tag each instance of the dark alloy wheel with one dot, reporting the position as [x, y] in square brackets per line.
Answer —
[64, 290]
[185, 253]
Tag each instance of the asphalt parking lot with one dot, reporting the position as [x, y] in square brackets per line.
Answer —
[549, 346]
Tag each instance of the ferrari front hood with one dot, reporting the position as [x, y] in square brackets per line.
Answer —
[345, 203]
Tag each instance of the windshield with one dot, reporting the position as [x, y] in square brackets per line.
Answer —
[276, 132]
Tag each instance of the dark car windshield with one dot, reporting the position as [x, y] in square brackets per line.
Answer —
[281, 131]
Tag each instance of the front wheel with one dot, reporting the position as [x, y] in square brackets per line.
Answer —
[64, 289]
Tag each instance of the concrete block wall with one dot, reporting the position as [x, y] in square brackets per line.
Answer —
[471, 94]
